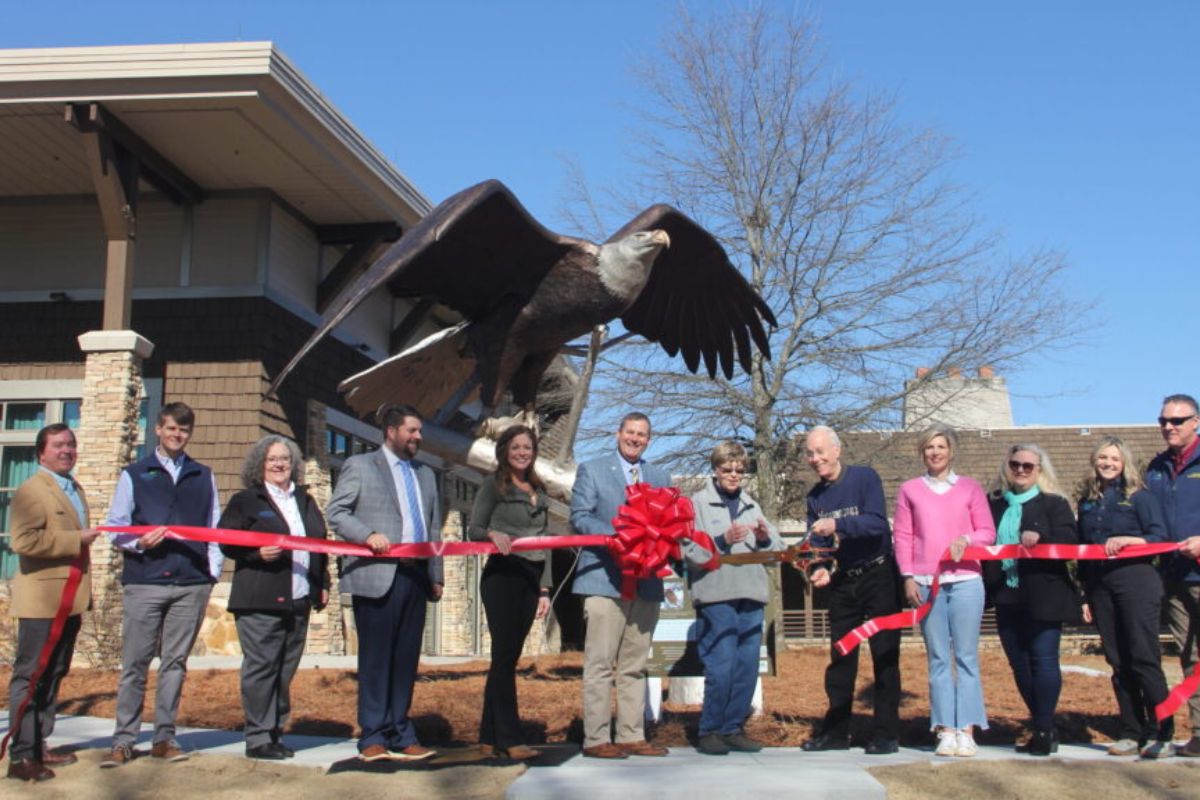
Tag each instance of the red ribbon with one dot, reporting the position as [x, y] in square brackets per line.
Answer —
[649, 530]
[190, 533]
[1055, 552]
[65, 604]
[648, 534]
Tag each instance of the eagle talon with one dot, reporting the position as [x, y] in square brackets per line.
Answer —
[493, 427]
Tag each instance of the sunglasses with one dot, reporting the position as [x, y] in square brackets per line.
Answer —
[1174, 422]
[1022, 466]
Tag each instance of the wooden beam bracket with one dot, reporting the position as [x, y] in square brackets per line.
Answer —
[158, 171]
[363, 239]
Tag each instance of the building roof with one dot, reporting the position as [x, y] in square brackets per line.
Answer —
[233, 115]
[894, 454]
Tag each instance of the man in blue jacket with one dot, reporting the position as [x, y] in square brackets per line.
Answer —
[617, 639]
[166, 581]
[1174, 478]
[846, 508]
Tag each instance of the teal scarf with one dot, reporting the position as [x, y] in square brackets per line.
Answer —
[1009, 530]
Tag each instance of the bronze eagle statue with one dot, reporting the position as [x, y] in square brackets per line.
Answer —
[525, 291]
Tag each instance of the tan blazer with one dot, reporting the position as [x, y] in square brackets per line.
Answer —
[45, 534]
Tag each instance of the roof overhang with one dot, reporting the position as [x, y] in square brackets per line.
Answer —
[229, 116]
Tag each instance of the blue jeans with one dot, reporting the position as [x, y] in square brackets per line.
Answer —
[730, 634]
[951, 634]
[1032, 649]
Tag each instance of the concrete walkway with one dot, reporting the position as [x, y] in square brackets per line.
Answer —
[685, 774]
[776, 772]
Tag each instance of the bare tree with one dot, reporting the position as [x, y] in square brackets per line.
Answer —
[841, 218]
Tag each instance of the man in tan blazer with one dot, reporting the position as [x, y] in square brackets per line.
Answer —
[49, 526]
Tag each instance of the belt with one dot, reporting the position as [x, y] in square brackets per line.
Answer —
[864, 568]
[409, 562]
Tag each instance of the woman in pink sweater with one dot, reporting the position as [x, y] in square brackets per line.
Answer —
[936, 512]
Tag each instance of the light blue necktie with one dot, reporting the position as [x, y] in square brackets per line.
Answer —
[414, 506]
[72, 494]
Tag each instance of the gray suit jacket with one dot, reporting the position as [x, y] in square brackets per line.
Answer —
[365, 502]
[598, 492]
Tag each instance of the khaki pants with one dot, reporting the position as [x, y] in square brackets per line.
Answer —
[615, 649]
[1183, 618]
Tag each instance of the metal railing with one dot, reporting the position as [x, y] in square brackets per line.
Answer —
[813, 625]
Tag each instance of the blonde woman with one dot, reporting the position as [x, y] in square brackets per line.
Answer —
[936, 511]
[1125, 595]
[1032, 597]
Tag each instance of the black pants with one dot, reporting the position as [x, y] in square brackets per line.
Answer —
[852, 601]
[28, 741]
[1126, 601]
[510, 597]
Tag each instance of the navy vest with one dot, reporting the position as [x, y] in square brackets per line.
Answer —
[157, 500]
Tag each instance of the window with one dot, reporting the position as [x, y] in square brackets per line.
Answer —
[24, 416]
[346, 436]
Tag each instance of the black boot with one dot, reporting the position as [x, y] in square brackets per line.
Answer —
[1043, 743]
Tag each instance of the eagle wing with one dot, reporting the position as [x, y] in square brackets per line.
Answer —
[696, 302]
[477, 246]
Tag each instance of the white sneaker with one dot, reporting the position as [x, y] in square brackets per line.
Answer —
[1158, 749]
[947, 742]
[965, 743]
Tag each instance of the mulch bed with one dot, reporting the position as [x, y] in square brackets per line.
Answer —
[447, 701]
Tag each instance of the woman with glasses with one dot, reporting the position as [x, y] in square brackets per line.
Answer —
[1032, 597]
[1125, 595]
[936, 512]
[515, 586]
[273, 589]
[729, 601]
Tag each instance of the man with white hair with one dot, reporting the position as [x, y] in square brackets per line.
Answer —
[846, 511]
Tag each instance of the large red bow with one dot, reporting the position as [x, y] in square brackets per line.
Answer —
[649, 530]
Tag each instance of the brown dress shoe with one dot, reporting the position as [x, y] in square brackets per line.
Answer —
[53, 759]
[26, 769]
[519, 752]
[486, 750]
[606, 750]
[642, 748]
[169, 751]
[119, 755]
[414, 752]
[374, 752]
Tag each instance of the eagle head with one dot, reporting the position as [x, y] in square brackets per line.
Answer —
[625, 264]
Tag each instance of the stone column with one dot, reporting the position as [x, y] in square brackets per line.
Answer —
[107, 436]
[327, 630]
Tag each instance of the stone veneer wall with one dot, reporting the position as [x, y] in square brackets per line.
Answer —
[327, 629]
[107, 436]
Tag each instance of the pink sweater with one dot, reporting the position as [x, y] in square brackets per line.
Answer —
[926, 523]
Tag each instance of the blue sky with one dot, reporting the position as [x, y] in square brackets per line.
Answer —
[1076, 125]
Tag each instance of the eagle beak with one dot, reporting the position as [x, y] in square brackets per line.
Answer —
[660, 237]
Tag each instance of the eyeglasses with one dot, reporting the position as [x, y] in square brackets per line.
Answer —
[279, 460]
[731, 470]
[1174, 422]
[1022, 466]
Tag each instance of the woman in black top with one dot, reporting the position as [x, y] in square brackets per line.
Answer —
[1032, 597]
[515, 586]
[273, 589]
[1125, 595]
